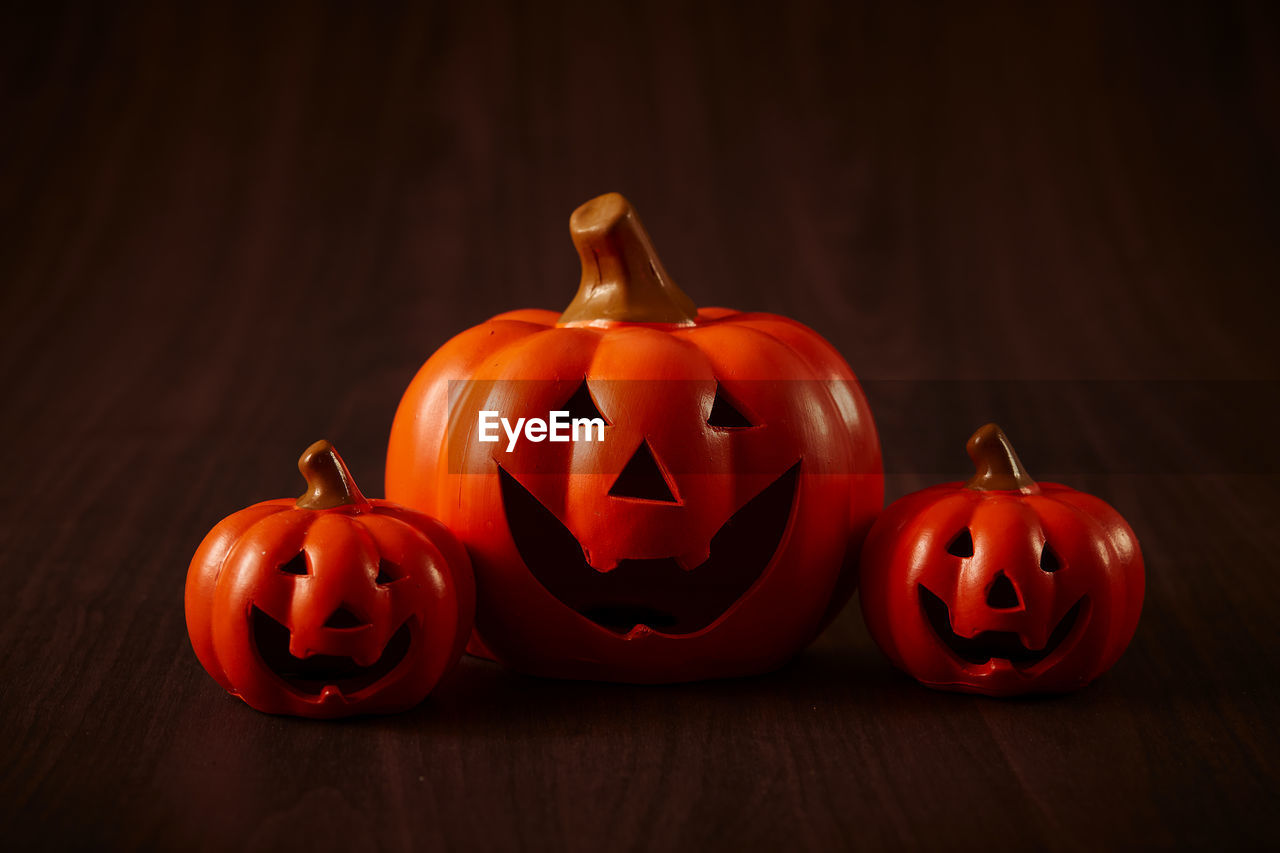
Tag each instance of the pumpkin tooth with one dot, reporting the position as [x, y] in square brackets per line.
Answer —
[605, 563]
[332, 693]
[640, 630]
[690, 560]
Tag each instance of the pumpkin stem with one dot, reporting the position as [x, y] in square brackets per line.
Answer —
[996, 463]
[329, 483]
[622, 278]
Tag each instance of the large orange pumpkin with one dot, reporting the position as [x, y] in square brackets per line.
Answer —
[710, 533]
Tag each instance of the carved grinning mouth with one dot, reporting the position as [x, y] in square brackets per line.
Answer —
[657, 593]
[1004, 645]
[312, 674]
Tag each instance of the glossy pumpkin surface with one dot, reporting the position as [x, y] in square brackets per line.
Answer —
[715, 528]
[329, 605]
[1002, 585]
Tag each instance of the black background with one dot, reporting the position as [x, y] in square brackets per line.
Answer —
[226, 232]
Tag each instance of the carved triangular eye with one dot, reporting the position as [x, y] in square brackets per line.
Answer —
[1049, 561]
[388, 572]
[297, 565]
[962, 545]
[724, 415]
[580, 405]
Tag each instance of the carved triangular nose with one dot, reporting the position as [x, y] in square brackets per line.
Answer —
[343, 618]
[642, 478]
[1002, 595]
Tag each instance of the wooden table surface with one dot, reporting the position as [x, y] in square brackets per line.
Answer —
[228, 233]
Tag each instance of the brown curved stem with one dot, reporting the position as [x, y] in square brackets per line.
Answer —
[997, 465]
[329, 483]
[622, 278]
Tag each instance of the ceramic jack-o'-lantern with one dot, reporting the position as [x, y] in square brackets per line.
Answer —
[1001, 585]
[331, 604]
[713, 527]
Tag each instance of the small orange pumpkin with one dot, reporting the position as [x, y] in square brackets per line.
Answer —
[1001, 585]
[331, 604]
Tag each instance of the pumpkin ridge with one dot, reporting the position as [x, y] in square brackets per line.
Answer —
[265, 525]
[959, 507]
[756, 321]
[783, 345]
[643, 335]
[519, 315]
[201, 586]
[278, 506]
[504, 355]
[497, 352]
[370, 548]
[512, 360]
[815, 375]
[1097, 531]
[418, 533]
[443, 565]
[1082, 516]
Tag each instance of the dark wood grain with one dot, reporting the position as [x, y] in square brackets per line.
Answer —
[226, 233]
